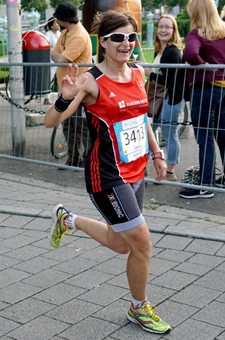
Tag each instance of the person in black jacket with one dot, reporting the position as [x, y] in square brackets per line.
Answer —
[168, 50]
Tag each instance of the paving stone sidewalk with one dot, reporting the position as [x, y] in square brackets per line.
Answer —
[80, 290]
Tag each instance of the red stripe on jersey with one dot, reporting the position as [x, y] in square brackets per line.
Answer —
[95, 176]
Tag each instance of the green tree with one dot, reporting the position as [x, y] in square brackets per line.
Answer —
[183, 15]
[55, 3]
[182, 3]
[221, 5]
[149, 4]
[183, 22]
[173, 3]
[38, 5]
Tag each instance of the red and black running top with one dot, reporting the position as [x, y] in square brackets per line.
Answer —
[116, 102]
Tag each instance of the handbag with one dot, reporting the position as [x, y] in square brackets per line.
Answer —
[156, 94]
[191, 175]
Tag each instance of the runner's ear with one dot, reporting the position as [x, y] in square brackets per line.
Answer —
[103, 42]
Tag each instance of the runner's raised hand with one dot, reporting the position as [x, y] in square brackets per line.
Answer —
[71, 83]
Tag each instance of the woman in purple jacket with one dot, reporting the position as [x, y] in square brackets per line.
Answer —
[205, 44]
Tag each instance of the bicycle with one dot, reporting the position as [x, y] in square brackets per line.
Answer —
[58, 144]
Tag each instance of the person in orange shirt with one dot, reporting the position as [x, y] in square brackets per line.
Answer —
[73, 46]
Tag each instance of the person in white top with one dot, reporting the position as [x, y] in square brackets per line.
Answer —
[52, 34]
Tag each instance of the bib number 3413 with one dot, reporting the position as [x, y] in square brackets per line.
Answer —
[132, 138]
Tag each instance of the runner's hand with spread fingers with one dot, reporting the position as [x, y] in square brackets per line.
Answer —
[70, 86]
[71, 83]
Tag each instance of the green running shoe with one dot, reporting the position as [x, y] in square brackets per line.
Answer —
[145, 317]
[58, 228]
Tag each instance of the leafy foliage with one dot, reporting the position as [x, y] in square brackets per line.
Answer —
[183, 22]
[149, 4]
[42, 5]
[55, 3]
[38, 5]
[183, 15]
[221, 5]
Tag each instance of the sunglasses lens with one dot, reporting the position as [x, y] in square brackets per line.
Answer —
[117, 37]
[132, 37]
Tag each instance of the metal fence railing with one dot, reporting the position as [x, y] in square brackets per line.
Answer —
[50, 146]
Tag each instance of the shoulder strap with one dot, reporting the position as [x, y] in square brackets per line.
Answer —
[95, 72]
[132, 65]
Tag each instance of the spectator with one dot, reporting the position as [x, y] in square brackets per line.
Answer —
[168, 50]
[73, 46]
[205, 44]
[116, 104]
[52, 34]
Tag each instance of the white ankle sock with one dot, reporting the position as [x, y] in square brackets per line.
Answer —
[69, 221]
[138, 303]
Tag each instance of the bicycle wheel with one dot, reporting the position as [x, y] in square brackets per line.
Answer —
[58, 142]
[183, 118]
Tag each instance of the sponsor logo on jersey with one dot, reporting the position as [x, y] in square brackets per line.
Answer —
[112, 95]
[122, 104]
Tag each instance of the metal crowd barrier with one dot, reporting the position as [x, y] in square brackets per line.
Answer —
[50, 146]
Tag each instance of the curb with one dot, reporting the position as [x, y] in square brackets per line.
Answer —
[47, 215]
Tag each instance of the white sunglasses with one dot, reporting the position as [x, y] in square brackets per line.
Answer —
[120, 37]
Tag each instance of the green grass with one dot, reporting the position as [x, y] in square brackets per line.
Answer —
[151, 206]
[148, 55]
[1, 50]
[4, 72]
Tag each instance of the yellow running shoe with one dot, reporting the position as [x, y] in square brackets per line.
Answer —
[58, 228]
[145, 317]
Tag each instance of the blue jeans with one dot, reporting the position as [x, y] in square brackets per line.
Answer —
[170, 113]
[208, 119]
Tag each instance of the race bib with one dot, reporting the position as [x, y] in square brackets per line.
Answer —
[132, 138]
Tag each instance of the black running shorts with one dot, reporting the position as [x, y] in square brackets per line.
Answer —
[121, 206]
